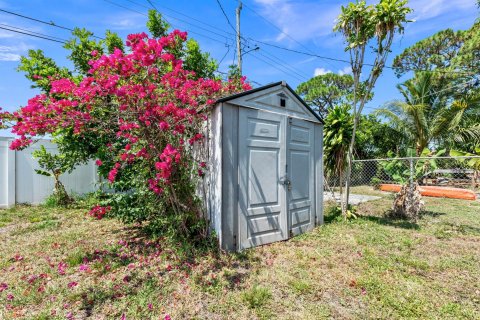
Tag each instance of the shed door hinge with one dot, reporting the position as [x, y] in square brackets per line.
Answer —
[235, 241]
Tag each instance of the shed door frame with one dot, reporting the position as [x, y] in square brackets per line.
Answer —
[298, 216]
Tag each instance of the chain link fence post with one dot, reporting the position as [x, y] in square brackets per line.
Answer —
[411, 174]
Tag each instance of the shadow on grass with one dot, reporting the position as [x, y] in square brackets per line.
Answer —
[199, 260]
[335, 215]
[432, 213]
[331, 217]
[397, 223]
[400, 223]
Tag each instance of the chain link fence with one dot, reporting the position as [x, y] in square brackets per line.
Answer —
[457, 172]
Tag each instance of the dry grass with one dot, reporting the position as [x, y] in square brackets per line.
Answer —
[372, 267]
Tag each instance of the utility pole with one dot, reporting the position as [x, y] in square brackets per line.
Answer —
[239, 47]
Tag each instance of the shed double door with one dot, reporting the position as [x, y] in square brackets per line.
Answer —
[276, 177]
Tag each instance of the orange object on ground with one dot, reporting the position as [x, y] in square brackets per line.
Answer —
[440, 192]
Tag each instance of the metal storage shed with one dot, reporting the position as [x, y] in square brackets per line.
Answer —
[265, 182]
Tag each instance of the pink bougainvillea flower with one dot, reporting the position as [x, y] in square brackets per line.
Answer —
[61, 268]
[10, 297]
[98, 212]
[167, 317]
[31, 279]
[17, 257]
[84, 267]
[72, 284]
[161, 109]
[3, 286]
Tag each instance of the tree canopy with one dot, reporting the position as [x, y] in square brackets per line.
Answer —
[452, 57]
[431, 122]
[323, 92]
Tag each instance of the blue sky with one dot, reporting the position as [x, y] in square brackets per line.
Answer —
[308, 25]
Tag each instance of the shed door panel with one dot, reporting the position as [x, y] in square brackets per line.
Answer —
[262, 199]
[301, 173]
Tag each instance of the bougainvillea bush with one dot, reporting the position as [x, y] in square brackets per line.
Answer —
[147, 115]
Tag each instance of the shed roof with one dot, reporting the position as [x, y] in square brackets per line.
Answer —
[268, 86]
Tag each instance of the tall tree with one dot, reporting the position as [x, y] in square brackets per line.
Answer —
[365, 26]
[431, 122]
[323, 92]
[450, 56]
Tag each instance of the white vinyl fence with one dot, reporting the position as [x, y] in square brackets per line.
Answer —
[19, 183]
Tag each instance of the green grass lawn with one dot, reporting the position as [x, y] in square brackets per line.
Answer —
[57, 264]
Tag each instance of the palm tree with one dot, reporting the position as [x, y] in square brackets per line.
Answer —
[430, 119]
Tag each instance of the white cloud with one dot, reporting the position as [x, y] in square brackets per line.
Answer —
[300, 20]
[346, 70]
[9, 56]
[427, 9]
[13, 53]
[6, 34]
[320, 72]
[125, 22]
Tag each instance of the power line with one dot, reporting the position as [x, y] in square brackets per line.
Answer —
[313, 54]
[143, 14]
[36, 35]
[286, 67]
[228, 50]
[32, 32]
[279, 29]
[285, 63]
[228, 38]
[150, 2]
[432, 93]
[175, 18]
[310, 53]
[195, 19]
[276, 66]
[225, 15]
[51, 23]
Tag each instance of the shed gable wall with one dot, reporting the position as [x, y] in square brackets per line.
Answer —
[269, 100]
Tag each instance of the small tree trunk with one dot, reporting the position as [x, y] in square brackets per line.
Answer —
[408, 203]
[349, 168]
[60, 193]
